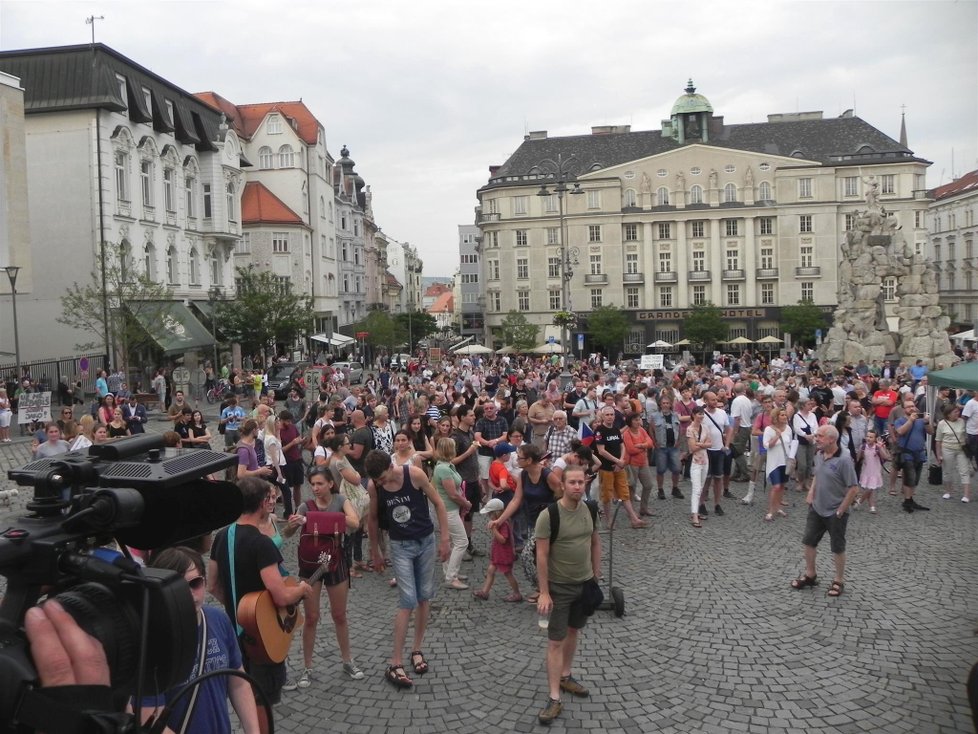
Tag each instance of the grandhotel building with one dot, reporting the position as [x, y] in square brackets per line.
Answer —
[748, 217]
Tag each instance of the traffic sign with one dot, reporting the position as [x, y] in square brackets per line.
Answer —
[551, 340]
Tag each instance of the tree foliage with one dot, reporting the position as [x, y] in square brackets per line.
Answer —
[517, 332]
[607, 326]
[705, 326]
[801, 321]
[264, 312]
[125, 296]
[380, 327]
[414, 326]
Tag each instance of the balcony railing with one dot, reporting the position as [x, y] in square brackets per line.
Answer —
[699, 275]
[810, 272]
[595, 279]
[668, 276]
[767, 273]
[633, 278]
[737, 274]
[488, 216]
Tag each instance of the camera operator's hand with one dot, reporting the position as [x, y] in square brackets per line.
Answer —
[65, 655]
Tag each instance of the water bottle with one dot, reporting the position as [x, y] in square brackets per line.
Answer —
[543, 621]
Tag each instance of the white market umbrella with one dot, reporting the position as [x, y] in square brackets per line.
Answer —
[473, 349]
[548, 349]
[770, 340]
[659, 344]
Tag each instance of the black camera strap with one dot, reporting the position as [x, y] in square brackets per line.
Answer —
[72, 710]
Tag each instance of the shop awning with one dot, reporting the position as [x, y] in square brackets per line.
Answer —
[335, 339]
[171, 324]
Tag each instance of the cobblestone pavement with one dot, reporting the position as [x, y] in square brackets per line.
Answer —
[713, 639]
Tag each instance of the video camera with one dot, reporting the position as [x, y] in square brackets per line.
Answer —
[143, 496]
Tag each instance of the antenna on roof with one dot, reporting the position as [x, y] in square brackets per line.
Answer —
[854, 102]
[90, 20]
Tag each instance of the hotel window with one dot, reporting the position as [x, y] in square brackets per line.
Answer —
[699, 227]
[265, 157]
[553, 236]
[593, 199]
[495, 302]
[764, 192]
[194, 261]
[699, 295]
[696, 194]
[550, 203]
[767, 294]
[662, 196]
[492, 269]
[733, 294]
[850, 222]
[522, 268]
[665, 262]
[733, 259]
[631, 233]
[520, 204]
[767, 225]
[731, 227]
[553, 266]
[207, 201]
[730, 193]
[146, 181]
[594, 233]
[804, 188]
[850, 186]
[805, 223]
[889, 289]
[631, 262]
[554, 300]
[521, 238]
[286, 156]
[631, 298]
[168, 189]
[149, 261]
[492, 239]
[595, 264]
[597, 299]
[918, 219]
[807, 291]
[190, 188]
[123, 95]
[214, 265]
[887, 183]
[229, 190]
[274, 125]
[665, 230]
[171, 265]
[630, 198]
[767, 258]
[122, 175]
[699, 261]
[280, 244]
[665, 296]
[523, 301]
[806, 256]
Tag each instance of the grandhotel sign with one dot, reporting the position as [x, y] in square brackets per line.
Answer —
[728, 313]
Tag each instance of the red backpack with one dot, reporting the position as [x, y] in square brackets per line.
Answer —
[322, 538]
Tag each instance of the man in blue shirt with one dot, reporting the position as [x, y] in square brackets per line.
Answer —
[911, 445]
[917, 372]
[231, 418]
[101, 385]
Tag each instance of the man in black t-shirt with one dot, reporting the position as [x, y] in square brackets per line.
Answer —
[256, 568]
[361, 439]
[466, 461]
[571, 399]
[609, 447]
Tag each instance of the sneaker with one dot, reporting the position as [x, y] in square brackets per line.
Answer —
[726, 493]
[718, 511]
[572, 686]
[456, 584]
[907, 506]
[550, 712]
[462, 577]
[662, 495]
[677, 494]
[353, 671]
[305, 680]
[946, 496]
[467, 556]
[872, 509]
[290, 685]
[965, 500]
[702, 510]
[914, 504]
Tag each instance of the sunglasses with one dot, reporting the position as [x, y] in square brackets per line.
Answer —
[196, 583]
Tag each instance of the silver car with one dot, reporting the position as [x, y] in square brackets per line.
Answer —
[352, 370]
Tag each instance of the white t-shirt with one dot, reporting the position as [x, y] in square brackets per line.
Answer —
[777, 455]
[722, 420]
[741, 410]
[970, 415]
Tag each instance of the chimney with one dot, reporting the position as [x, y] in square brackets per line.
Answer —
[536, 135]
[610, 129]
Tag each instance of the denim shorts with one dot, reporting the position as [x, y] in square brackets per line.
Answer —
[667, 460]
[413, 563]
[778, 476]
[715, 461]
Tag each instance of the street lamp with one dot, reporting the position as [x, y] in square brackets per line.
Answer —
[568, 255]
[12, 271]
[213, 294]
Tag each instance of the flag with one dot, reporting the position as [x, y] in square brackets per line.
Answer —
[585, 434]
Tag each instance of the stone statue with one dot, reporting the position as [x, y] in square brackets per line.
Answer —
[872, 193]
[749, 177]
[680, 182]
[713, 178]
[646, 183]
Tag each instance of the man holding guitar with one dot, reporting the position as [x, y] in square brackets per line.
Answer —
[253, 566]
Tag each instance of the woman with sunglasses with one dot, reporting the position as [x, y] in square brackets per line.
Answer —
[326, 498]
[348, 480]
[217, 640]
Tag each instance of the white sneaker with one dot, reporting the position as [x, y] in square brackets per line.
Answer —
[353, 671]
[305, 680]
[965, 499]
[946, 496]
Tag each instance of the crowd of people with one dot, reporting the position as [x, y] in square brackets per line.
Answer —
[408, 460]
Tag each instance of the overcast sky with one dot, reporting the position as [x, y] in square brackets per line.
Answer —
[428, 94]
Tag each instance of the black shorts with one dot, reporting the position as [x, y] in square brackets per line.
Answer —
[816, 526]
[270, 678]
[911, 471]
[294, 473]
[715, 463]
[473, 493]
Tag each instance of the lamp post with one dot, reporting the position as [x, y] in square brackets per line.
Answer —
[568, 255]
[213, 294]
[12, 271]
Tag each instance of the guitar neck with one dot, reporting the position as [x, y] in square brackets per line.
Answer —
[319, 574]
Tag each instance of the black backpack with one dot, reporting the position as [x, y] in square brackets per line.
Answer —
[555, 518]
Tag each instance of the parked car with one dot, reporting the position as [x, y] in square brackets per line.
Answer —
[282, 376]
[352, 370]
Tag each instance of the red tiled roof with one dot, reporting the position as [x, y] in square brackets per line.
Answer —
[261, 206]
[443, 304]
[436, 289]
[392, 280]
[967, 182]
[246, 118]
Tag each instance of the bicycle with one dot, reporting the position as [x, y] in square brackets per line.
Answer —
[220, 391]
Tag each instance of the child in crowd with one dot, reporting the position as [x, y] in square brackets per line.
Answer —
[871, 477]
[502, 556]
[502, 483]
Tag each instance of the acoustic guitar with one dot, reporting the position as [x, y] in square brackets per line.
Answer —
[268, 629]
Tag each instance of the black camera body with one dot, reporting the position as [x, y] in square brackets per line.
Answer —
[133, 492]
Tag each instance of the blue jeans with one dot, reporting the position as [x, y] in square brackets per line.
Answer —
[667, 459]
[413, 562]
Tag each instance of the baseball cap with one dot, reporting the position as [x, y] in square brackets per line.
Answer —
[493, 505]
[502, 449]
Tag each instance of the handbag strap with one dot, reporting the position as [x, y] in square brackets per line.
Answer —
[234, 587]
[201, 659]
[953, 432]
